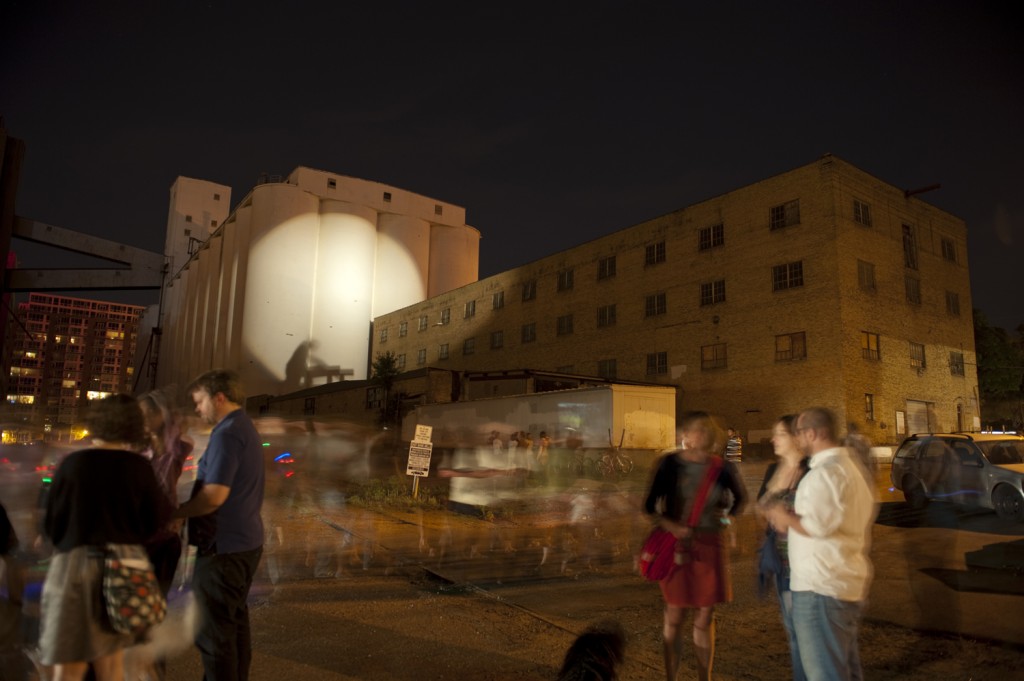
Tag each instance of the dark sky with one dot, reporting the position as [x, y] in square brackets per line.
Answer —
[552, 123]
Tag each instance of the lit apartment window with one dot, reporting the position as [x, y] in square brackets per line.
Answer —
[421, 356]
[423, 323]
[606, 268]
[710, 237]
[655, 304]
[712, 292]
[564, 325]
[469, 346]
[498, 300]
[403, 329]
[917, 356]
[956, 363]
[909, 248]
[913, 287]
[784, 215]
[790, 275]
[387, 197]
[497, 339]
[530, 289]
[442, 351]
[606, 315]
[866, 275]
[654, 254]
[862, 213]
[470, 309]
[953, 303]
[446, 315]
[948, 250]
[869, 406]
[713, 357]
[565, 279]
[529, 332]
[869, 348]
[401, 361]
[332, 183]
[657, 363]
[790, 346]
[606, 368]
[383, 334]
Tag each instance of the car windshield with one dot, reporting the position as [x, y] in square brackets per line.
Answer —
[1002, 452]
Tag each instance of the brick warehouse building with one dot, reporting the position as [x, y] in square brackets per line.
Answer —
[821, 285]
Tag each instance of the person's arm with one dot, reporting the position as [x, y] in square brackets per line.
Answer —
[208, 499]
[735, 485]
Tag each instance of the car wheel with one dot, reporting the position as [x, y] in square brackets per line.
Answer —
[913, 492]
[1008, 503]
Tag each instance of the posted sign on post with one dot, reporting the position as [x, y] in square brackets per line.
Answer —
[420, 450]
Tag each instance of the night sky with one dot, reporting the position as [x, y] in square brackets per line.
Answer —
[552, 123]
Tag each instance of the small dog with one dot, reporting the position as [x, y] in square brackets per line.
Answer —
[596, 654]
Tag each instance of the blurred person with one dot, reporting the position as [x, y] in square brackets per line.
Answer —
[167, 452]
[692, 493]
[734, 445]
[779, 487]
[829, 532]
[596, 654]
[106, 494]
[225, 526]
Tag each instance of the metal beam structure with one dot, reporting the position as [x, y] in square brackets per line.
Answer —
[140, 269]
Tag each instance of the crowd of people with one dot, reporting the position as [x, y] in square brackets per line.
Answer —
[817, 503]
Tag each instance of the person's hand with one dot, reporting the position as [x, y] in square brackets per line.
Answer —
[681, 531]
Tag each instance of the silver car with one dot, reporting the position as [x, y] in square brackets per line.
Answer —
[977, 469]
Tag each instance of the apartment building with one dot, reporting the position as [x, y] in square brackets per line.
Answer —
[60, 353]
[823, 285]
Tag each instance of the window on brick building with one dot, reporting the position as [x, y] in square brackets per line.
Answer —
[498, 300]
[866, 275]
[869, 347]
[784, 215]
[442, 351]
[401, 361]
[421, 356]
[655, 304]
[948, 250]
[909, 247]
[606, 315]
[403, 329]
[790, 346]
[787, 276]
[529, 289]
[713, 357]
[712, 292]
[953, 303]
[606, 368]
[446, 315]
[862, 213]
[469, 346]
[654, 254]
[913, 287]
[606, 268]
[423, 323]
[565, 279]
[564, 325]
[497, 339]
[657, 363]
[529, 333]
[917, 355]
[956, 364]
[869, 406]
[710, 237]
[470, 309]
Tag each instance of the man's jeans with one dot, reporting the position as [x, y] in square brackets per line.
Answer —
[786, 605]
[826, 633]
[221, 584]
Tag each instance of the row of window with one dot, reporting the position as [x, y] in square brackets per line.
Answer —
[871, 349]
[911, 285]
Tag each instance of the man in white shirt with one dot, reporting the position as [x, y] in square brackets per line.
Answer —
[829, 541]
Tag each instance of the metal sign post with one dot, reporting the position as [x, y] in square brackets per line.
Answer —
[420, 450]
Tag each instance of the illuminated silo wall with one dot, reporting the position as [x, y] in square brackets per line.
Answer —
[454, 258]
[403, 261]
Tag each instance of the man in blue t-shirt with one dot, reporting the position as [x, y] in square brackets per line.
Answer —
[225, 526]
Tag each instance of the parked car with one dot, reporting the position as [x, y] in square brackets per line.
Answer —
[977, 469]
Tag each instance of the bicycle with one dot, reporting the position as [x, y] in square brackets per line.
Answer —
[614, 463]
